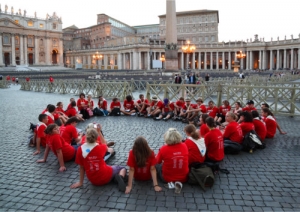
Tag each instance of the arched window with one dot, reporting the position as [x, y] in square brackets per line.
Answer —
[30, 23]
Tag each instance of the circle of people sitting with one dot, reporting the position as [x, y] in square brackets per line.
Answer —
[211, 132]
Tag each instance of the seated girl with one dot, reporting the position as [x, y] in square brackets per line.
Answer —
[82, 105]
[41, 137]
[195, 145]
[60, 111]
[142, 163]
[259, 125]
[115, 107]
[246, 124]
[128, 105]
[102, 105]
[203, 126]
[90, 158]
[167, 110]
[69, 133]
[61, 149]
[271, 123]
[173, 160]
[71, 111]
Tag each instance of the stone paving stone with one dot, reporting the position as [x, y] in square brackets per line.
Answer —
[26, 185]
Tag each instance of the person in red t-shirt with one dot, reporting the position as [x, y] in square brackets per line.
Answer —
[13, 79]
[115, 107]
[70, 134]
[173, 159]
[27, 79]
[249, 107]
[155, 107]
[220, 118]
[167, 110]
[71, 111]
[246, 122]
[51, 80]
[141, 162]
[82, 105]
[61, 113]
[40, 134]
[128, 105]
[233, 135]
[186, 112]
[195, 145]
[214, 142]
[203, 126]
[259, 125]
[62, 150]
[102, 104]
[178, 106]
[90, 158]
[197, 110]
[52, 116]
[7, 78]
[90, 102]
[270, 122]
[212, 110]
[141, 105]
[71, 100]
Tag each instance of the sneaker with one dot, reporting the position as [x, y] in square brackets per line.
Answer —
[178, 187]
[174, 118]
[157, 118]
[121, 183]
[132, 114]
[165, 119]
[111, 143]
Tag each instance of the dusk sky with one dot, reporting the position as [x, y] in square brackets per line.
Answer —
[238, 20]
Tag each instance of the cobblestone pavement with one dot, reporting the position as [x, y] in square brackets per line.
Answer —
[267, 180]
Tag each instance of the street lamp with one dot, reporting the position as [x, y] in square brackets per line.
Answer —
[240, 55]
[188, 49]
[97, 56]
[162, 59]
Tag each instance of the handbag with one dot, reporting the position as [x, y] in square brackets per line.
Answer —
[201, 175]
[90, 111]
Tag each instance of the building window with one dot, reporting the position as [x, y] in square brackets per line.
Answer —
[5, 39]
[54, 26]
[30, 23]
[212, 38]
[206, 39]
[41, 25]
[17, 21]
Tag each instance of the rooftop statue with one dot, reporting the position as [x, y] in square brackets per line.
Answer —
[6, 7]
[25, 12]
[12, 10]
[35, 14]
[20, 12]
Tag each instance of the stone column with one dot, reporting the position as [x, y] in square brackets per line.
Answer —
[277, 59]
[264, 59]
[25, 50]
[217, 60]
[199, 60]
[242, 64]
[229, 60]
[182, 60]
[205, 60]
[89, 61]
[260, 60]
[140, 60]
[61, 53]
[292, 59]
[284, 59]
[193, 61]
[299, 58]
[21, 50]
[159, 55]
[13, 50]
[1, 51]
[223, 60]
[131, 62]
[36, 50]
[187, 60]
[271, 60]
[211, 61]
[47, 51]
[247, 60]
[251, 61]
[171, 54]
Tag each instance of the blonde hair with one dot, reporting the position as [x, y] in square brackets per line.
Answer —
[91, 136]
[172, 136]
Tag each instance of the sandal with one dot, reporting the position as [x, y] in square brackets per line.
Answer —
[178, 187]
[170, 185]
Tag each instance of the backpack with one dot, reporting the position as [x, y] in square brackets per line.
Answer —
[252, 141]
[243, 76]
[115, 112]
[98, 112]
[201, 175]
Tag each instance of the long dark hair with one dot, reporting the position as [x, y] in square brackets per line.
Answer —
[50, 128]
[141, 151]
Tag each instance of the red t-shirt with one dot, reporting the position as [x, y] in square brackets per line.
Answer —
[90, 103]
[192, 106]
[166, 107]
[157, 104]
[175, 160]
[203, 108]
[103, 104]
[271, 126]
[203, 130]
[51, 79]
[56, 142]
[246, 127]
[81, 104]
[248, 109]
[59, 109]
[141, 173]
[8, 78]
[69, 106]
[140, 101]
[260, 128]
[180, 104]
[128, 105]
[41, 134]
[212, 112]
[69, 133]
[83, 140]
[233, 132]
[97, 171]
[224, 109]
[214, 145]
[71, 112]
[194, 153]
[115, 104]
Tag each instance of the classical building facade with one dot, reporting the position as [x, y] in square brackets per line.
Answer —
[124, 47]
[29, 40]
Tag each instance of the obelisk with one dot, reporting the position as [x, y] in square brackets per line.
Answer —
[171, 37]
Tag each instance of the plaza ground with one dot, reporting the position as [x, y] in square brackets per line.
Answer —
[267, 180]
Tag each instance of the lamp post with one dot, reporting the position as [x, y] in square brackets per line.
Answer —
[162, 59]
[97, 57]
[188, 48]
[241, 56]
